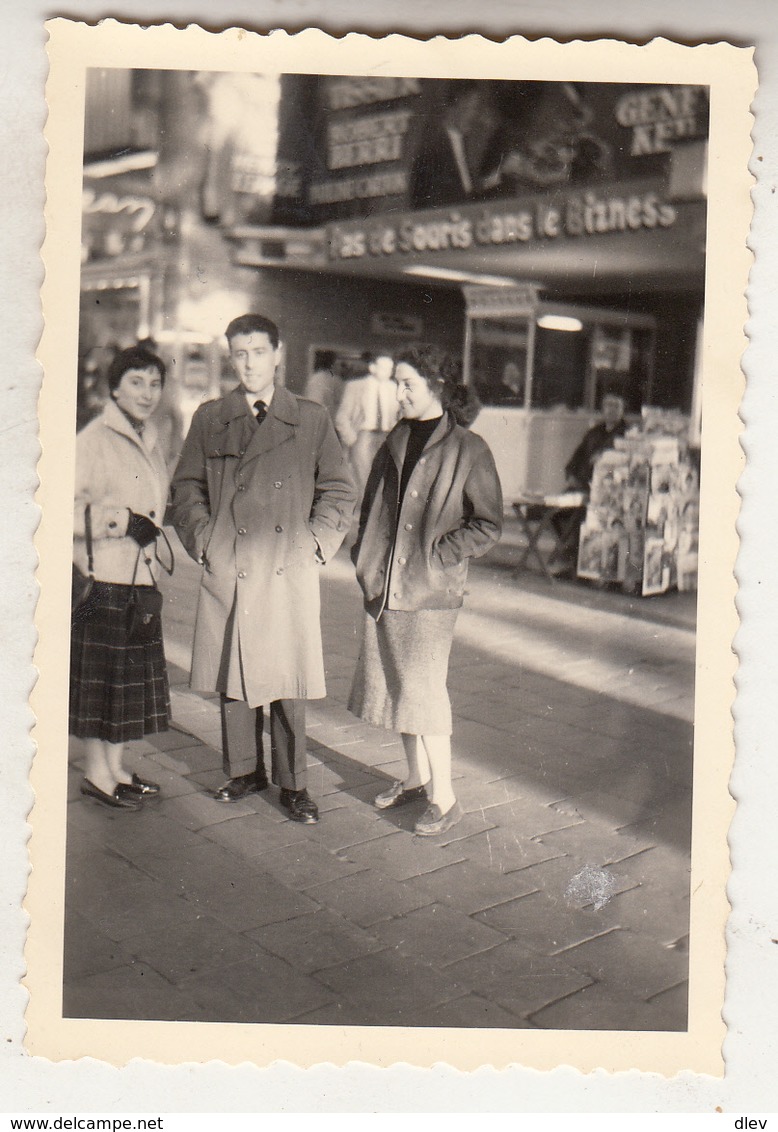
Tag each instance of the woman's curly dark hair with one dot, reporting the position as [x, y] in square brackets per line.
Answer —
[443, 374]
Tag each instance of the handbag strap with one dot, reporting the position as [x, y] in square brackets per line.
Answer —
[147, 560]
[168, 569]
[88, 537]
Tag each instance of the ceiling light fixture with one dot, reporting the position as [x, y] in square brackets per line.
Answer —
[559, 322]
[452, 276]
[121, 163]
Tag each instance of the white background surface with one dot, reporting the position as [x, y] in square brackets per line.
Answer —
[751, 1081]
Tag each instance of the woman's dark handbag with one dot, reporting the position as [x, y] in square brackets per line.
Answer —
[144, 615]
[144, 607]
[82, 603]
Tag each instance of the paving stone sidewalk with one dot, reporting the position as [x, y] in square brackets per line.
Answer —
[560, 901]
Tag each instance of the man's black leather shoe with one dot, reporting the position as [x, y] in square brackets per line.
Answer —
[301, 807]
[236, 788]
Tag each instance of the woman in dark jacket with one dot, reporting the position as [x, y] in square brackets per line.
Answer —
[432, 503]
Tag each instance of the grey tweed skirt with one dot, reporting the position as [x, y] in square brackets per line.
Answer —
[400, 678]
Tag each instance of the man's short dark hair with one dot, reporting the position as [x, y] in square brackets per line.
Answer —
[325, 359]
[254, 324]
[136, 357]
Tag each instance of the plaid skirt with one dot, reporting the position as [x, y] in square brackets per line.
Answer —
[118, 691]
[400, 678]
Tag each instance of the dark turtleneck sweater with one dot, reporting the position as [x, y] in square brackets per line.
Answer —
[420, 432]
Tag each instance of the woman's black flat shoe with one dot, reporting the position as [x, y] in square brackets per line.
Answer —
[137, 788]
[115, 800]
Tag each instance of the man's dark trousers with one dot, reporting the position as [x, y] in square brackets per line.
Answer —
[242, 734]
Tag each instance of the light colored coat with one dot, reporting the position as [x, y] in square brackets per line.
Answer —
[367, 405]
[117, 471]
[451, 512]
[260, 508]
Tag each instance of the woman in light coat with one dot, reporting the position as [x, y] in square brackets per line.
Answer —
[118, 690]
[433, 502]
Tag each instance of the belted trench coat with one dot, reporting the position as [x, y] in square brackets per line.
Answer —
[260, 508]
[451, 512]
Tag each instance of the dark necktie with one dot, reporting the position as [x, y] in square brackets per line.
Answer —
[260, 411]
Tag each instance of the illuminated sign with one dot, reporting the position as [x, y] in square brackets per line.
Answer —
[568, 215]
[363, 187]
[364, 147]
[367, 145]
[137, 210]
[367, 140]
[114, 224]
[661, 116]
[346, 93]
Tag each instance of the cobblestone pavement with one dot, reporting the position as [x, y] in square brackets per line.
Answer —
[560, 901]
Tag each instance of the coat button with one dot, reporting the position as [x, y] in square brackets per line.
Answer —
[423, 460]
[278, 484]
[409, 526]
[401, 560]
[280, 570]
[279, 529]
[242, 452]
[395, 594]
[414, 495]
[152, 514]
[241, 487]
[241, 530]
[241, 573]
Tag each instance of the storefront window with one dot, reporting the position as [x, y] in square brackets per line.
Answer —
[559, 373]
[554, 357]
[498, 359]
[622, 361]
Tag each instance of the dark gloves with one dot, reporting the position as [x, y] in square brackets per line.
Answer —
[141, 528]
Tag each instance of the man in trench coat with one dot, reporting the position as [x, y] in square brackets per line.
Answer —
[261, 498]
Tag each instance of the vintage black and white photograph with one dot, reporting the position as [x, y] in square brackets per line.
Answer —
[388, 440]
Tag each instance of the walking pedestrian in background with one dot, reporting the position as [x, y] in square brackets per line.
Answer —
[368, 411]
[261, 498]
[325, 385]
[432, 503]
[118, 686]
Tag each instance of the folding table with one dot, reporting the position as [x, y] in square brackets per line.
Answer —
[559, 517]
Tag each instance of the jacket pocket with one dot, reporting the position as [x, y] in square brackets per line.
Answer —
[442, 562]
[450, 576]
[207, 536]
[301, 549]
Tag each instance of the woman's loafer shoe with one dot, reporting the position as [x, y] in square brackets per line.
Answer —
[397, 795]
[138, 787]
[116, 800]
[300, 805]
[433, 822]
[236, 788]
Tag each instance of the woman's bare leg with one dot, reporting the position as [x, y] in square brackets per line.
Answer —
[418, 763]
[115, 755]
[438, 749]
[97, 766]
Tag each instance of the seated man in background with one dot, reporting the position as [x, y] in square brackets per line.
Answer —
[578, 474]
[579, 468]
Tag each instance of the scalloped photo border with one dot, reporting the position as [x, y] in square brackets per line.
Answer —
[730, 74]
